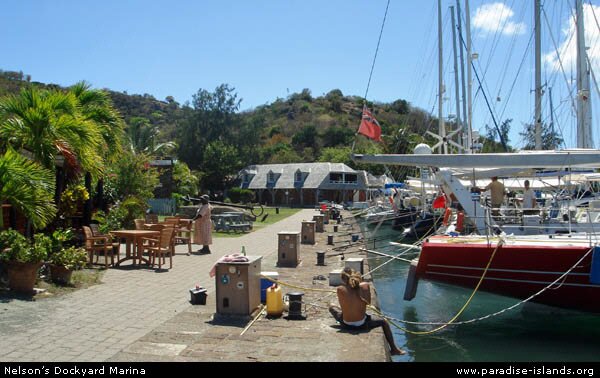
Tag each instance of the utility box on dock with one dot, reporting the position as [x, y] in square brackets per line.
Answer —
[319, 226]
[356, 264]
[308, 232]
[288, 250]
[335, 277]
[238, 286]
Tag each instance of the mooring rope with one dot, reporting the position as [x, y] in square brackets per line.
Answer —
[464, 307]
[549, 286]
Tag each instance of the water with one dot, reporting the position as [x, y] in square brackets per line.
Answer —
[530, 332]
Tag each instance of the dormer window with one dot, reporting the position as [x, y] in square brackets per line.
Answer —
[246, 178]
[271, 177]
[336, 178]
[298, 176]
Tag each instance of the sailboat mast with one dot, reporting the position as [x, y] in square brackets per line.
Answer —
[538, 77]
[444, 146]
[466, 128]
[456, 87]
[584, 112]
[469, 74]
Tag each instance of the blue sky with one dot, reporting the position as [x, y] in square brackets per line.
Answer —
[268, 49]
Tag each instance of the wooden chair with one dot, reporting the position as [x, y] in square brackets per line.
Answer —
[183, 234]
[161, 247]
[94, 245]
[151, 218]
[115, 243]
[153, 227]
[139, 224]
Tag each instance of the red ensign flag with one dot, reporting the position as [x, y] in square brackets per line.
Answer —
[369, 126]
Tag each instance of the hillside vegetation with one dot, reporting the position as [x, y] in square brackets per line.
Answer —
[216, 140]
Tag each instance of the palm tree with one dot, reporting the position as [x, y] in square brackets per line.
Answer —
[142, 138]
[48, 123]
[96, 107]
[28, 187]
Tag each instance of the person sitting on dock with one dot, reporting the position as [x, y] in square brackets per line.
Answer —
[353, 297]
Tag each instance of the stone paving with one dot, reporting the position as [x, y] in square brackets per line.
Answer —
[138, 314]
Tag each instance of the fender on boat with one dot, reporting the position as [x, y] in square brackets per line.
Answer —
[412, 281]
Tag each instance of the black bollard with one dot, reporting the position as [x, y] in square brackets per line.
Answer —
[335, 228]
[321, 258]
[330, 239]
[295, 308]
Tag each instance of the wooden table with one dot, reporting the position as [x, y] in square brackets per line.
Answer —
[134, 237]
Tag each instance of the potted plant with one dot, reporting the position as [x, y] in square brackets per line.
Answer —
[64, 262]
[23, 258]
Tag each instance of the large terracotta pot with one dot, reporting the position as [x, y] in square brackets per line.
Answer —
[22, 276]
[60, 274]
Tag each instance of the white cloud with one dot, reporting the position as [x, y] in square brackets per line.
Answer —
[568, 48]
[497, 17]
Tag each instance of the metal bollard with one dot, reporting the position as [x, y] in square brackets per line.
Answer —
[321, 258]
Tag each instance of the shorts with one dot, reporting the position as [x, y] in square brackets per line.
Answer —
[371, 321]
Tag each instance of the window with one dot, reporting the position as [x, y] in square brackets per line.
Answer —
[246, 178]
[336, 178]
[270, 177]
[298, 176]
[351, 178]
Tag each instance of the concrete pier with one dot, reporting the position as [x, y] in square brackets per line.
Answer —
[138, 314]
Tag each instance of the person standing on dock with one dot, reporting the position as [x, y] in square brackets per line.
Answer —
[203, 225]
[353, 296]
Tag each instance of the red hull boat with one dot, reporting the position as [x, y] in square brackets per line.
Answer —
[519, 268]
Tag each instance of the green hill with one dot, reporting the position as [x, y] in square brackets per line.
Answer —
[216, 139]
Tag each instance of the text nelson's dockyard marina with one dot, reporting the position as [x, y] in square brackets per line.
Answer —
[73, 370]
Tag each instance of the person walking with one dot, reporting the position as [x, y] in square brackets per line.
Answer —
[203, 225]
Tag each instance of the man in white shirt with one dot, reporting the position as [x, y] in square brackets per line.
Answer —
[529, 202]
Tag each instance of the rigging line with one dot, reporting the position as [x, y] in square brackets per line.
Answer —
[588, 55]
[509, 56]
[377, 49]
[500, 27]
[597, 26]
[562, 69]
[512, 87]
[502, 141]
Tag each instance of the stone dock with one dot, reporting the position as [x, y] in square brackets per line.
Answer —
[138, 314]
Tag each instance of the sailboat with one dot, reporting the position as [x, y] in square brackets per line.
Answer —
[553, 269]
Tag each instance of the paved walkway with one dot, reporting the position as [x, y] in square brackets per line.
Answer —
[144, 315]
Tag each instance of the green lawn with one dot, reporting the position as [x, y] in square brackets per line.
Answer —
[271, 218]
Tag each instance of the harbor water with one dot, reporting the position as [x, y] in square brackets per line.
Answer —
[530, 332]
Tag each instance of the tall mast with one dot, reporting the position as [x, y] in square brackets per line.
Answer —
[538, 77]
[551, 114]
[444, 146]
[584, 112]
[456, 88]
[466, 127]
[469, 74]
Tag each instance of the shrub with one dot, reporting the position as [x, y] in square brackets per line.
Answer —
[239, 195]
[71, 258]
[15, 247]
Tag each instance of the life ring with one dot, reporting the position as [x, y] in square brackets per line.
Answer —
[447, 215]
[460, 220]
